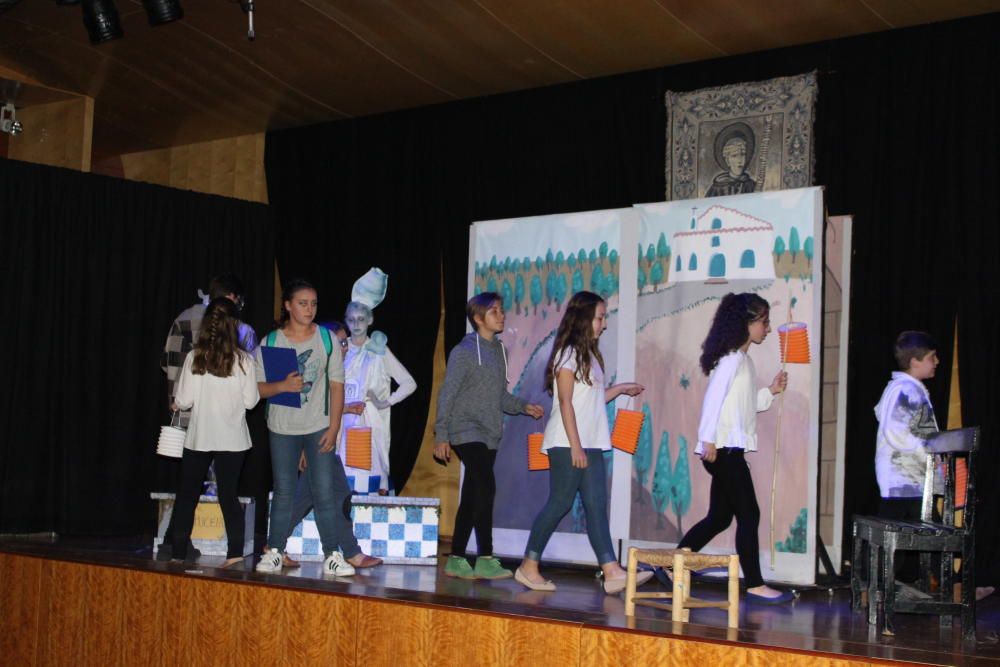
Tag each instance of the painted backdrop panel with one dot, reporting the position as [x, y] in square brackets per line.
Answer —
[690, 254]
[537, 264]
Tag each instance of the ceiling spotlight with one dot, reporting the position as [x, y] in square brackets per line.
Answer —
[8, 123]
[163, 11]
[100, 17]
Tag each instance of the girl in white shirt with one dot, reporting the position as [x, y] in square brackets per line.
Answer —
[728, 429]
[218, 383]
[575, 440]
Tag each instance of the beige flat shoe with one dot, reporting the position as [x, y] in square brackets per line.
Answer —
[618, 585]
[521, 579]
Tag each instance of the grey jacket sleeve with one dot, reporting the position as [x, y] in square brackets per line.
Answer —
[513, 405]
[457, 367]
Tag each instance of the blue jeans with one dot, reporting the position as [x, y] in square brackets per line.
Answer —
[564, 482]
[328, 484]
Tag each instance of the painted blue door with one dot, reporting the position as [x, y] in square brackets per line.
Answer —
[717, 266]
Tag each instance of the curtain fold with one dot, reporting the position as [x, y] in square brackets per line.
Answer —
[94, 270]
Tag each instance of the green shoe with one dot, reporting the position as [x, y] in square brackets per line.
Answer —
[489, 567]
[458, 567]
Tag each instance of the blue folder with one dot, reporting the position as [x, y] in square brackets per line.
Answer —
[278, 363]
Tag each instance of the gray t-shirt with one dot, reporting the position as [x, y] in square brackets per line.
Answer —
[312, 358]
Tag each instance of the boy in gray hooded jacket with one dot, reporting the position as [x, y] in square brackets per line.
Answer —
[469, 423]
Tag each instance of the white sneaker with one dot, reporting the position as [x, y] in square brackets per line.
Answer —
[270, 562]
[336, 566]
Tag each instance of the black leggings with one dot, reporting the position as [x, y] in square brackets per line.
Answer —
[194, 465]
[731, 495]
[475, 509]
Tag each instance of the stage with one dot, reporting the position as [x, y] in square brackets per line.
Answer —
[108, 602]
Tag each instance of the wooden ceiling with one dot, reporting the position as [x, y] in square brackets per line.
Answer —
[319, 60]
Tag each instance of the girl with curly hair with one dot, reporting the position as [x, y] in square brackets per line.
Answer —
[575, 440]
[728, 429]
[218, 383]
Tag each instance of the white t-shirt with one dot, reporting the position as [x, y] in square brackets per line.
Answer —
[588, 404]
[313, 415]
[732, 401]
[218, 406]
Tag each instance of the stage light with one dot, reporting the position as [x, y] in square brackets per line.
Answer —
[163, 11]
[100, 17]
[8, 123]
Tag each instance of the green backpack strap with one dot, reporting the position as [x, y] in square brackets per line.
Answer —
[324, 333]
[271, 338]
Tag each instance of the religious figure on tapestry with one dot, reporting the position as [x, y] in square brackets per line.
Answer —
[748, 137]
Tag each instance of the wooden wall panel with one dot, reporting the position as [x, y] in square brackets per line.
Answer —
[57, 134]
[599, 648]
[326, 631]
[62, 604]
[431, 637]
[20, 581]
[103, 643]
[59, 613]
[143, 614]
[232, 167]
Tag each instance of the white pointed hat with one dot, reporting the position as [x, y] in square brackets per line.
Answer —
[370, 288]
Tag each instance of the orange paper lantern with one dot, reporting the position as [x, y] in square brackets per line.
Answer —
[536, 460]
[628, 425]
[359, 447]
[794, 339]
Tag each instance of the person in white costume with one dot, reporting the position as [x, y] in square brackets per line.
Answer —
[370, 368]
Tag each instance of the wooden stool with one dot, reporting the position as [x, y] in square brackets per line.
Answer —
[682, 561]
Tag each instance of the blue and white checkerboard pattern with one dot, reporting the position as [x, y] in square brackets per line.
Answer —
[362, 482]
[395, 529]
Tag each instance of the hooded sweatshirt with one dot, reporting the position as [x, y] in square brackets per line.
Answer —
[474, 394]
[906, 419]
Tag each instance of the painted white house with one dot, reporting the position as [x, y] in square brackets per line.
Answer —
[722, 244]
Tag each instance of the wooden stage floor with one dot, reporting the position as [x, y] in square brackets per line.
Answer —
[39, 580]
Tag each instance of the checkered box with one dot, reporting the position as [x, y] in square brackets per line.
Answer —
[395, 529]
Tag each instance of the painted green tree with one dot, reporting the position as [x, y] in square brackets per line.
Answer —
[796, 541]
[779, 247]
[613, 258]
[536, 293]
[603, 249]
[662, 479]
[491, 285]
[807, 249]
[549, 259]
[794, 245]
[571, 261]
[560, 258]
[680, 484]
[656, 273]
[577, 281]
[581, 256]
[506, 265]
[518, 292]
[592, 257]
[597, 281]
[610, 283]
[550, 287]
[539, 263]
[650, 254]
[642, 278]
[493, 263]
[643, 458]
[562, 290]
[508, 295]
[662, 249]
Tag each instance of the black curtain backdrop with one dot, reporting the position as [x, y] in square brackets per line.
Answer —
[906, 140]
[94, 270]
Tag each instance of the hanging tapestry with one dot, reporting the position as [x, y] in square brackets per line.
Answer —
[748, 137]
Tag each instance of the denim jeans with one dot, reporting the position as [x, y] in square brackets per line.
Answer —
[564, 482]
[328, 485]
[303, 503]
